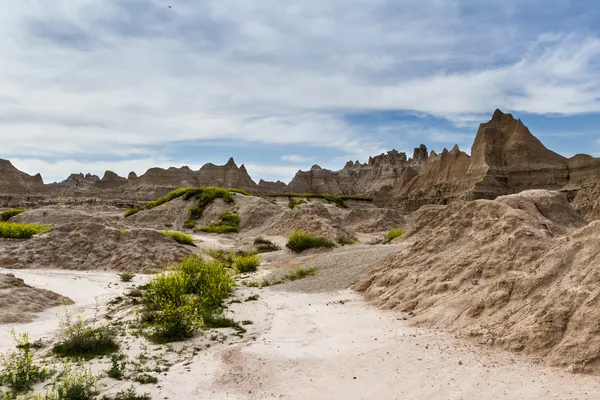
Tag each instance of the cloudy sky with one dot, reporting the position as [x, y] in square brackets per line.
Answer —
[90, 85]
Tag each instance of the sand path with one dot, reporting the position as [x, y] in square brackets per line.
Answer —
[325, 346]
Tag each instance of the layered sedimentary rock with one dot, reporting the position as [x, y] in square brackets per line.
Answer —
[110, 180]
[228, 175]
[14, 181]
[79, 180]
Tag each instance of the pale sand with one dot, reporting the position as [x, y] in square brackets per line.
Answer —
[309, 346]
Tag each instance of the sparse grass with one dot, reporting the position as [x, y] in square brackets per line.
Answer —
[300, 273]
[14, 230]
[240, 191]
[17, 370]
[254, 297]
[224, 256]
[128, 394]
[168, 197]
[393, 234]
[247, 322]
[228, 223]
[118, 363]
[246, 263]
[82, 339]
[8, 214]
[175, 302]
[180, 237]
[205, 197]
[131, 211]
[126, 276]
[265, 282]
[146, 379]
[263, 245]
[294, 203]
[346, 240]
[73, 383]
[300, 241]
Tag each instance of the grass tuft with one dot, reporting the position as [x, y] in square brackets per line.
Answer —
[13, 230]
[393, 234]
[180, 237]
[246, 263]
[128, 394]
[126, 276]
[131, 211]
[146, 379]
[294, 203]
[263, 245]
[17, 370]
[300, 273]
[8, 214]
[228, 223]
[300, 241]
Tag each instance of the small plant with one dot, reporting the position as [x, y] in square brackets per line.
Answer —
[118, 363]
[254, 297]
[82, 339]
[205, 197]
[146, 379]
[73, 383]
[224, 256]
[14, 230]
[128, 394]
[300, 241]
[17, 370]
[294, 203]
[346, 240]
[228, 223]
[180, 237]
[393, 234]
[300, 273]
[8, 214]
[126, 276]
[263, 245]
[246, 263]
[247, 322]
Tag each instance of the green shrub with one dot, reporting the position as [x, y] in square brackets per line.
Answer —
[300, 273]
[131, 211]
[300, 241]
[17, 370]
[205, 197]
[82, 339]
[294, 203]
[168, 197]
[146, 379]
[118, 363]
[14, 230]
[73, 383]
[246, 263]
[128, 394]
[228, 223]
[180, 237]
[224, 256]
[177, 300]
[8, 214]
[126, 276]
[393, 234]
[346, 240]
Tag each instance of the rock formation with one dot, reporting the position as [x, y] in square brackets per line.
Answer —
[110, 180]
[13, 181]
[79, 180]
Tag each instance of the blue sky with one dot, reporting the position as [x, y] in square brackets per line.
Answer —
[90, 85]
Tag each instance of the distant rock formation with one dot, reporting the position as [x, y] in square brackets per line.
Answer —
[132, 176]
[228, 175]
[79, 180]
[14, 181]
[110, 180]
[268, 187]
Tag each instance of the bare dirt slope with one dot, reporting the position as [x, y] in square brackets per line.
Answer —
[83, 246]
[518, 273]
[63, 215]
[20, 303]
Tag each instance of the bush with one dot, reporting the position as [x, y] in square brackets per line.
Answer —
[177, 300]
[263, 245]
[294, 203]
[13, 230]
[346, 240]
[393, 234]
[246, 263]
[300, 273]
[146, 379]
[81, 339]
[300, 241]
[8, 214]
[126, 276]
[228, 222]
[128, 394]
[17, 370]
[180, 237]
[73, 384]
[224, 256]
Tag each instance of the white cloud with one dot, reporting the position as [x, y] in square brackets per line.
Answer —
[295, 158]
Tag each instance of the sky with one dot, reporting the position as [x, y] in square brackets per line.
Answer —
[280, 85]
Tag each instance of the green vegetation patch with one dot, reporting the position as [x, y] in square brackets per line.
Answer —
[180, 237]
[294, 203]
[14, 230]
[393, 234]
[300, 273]
[17, 369]
[246, 263]
[8, 214]
[126, 276]
[300, 241]
[263, 245]
[228, 223]
[346, 240]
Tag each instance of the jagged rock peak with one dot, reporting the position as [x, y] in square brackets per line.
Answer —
[132, 176]
[420, 153]
[243, 169]
[109, 175]
[499, 116]
[316, 168]
[231, 162]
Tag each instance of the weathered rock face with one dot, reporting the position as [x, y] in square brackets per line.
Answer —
[110, 180]
[228, 175]
[267, 187]
[132, 176]
[13, 181]
[79, 180]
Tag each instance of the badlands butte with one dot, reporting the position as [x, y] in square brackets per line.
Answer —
[480, 273]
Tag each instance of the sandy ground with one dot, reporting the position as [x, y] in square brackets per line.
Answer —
[324, 346]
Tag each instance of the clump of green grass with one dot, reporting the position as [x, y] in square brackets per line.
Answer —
[118, 363]
[131, 211]
[205, 197]
[224, 256]
[180, 237]
[228, 223]
[240, 191]
[300, 241]
[14, 230]
[246, 263]
[82, 339]
[294, 203]
[346, 240]
[175, 302]
[393, 234]
[126, 276]
[128, 394]
[168, 197]
[300, 273]
[146, 379]
[17, 370]
[263, 245]
[73, 383]
[8, 214]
